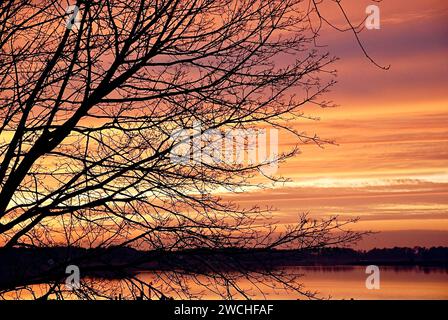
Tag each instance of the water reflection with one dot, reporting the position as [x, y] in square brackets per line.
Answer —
[348, 282]
[334, 282]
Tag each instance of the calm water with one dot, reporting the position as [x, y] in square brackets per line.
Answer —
[349, 282]
[395, 283]
[330, 282]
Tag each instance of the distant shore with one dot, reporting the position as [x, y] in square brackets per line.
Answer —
[39, 264]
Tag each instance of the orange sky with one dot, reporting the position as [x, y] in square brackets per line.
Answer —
[390, 167]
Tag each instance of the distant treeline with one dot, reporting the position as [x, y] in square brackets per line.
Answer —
[21, 264]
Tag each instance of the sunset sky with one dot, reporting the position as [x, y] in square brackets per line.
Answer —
[223, 150]
[390, 167]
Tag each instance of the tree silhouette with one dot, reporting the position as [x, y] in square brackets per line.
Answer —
[88, 108]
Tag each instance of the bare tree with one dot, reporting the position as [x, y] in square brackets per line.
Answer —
[87, 114]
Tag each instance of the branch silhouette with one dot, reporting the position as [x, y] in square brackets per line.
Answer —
[87, 114]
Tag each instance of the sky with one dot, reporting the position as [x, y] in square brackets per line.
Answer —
[390, 164]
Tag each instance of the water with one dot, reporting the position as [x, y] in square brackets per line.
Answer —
[349, 283]
[337, 282]
[395, 282]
